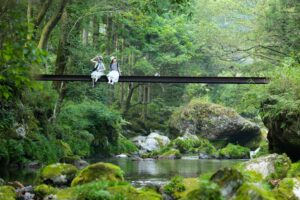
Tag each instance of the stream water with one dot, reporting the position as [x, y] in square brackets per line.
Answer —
[139, 173]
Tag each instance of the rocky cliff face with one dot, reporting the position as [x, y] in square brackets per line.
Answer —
[215, 123]
[284, 131]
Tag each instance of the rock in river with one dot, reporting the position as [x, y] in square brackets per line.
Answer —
[215, 122]
[58, 174]
[152, 142]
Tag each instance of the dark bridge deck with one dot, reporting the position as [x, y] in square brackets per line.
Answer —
[160, 79]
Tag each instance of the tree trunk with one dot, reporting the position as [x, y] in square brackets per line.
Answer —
[109, 31]
[29, 19]
[85, 37]
[42, 13]
[51, 24]
[58, 103]
[131, 88]
[61, 63]
[96, 34]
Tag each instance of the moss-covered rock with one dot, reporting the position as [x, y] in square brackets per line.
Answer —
[214, 122]
[7, 193]
[294, 170]
[250, 191]
[128, 192]
[43, 190]
[207, 191]
[97, 172]
[232, 151]
[67, 194]
[171, 154]
[272, 166]
[288, 188]
[229, 180]
[174, 187]
[57, 174]
[189, 143]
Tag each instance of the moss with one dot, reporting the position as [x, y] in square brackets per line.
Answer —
[50, 172]
[130, 193]
[171, 154]
[252, 176]
[235, 152]
[250, 191]
[98, 171]
[284, 191]
[42, 190]
[175, 186]
[190, 184]
[66, 194]
[7, 193]
[282, 165]
[192, 145]
[294, 171]
[206, 191]
[229, 180]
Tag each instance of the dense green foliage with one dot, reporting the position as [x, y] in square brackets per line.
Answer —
[170, 38]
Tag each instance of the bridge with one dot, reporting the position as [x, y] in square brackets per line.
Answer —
[160, 79]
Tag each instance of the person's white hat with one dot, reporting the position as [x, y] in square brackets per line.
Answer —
[111, 58]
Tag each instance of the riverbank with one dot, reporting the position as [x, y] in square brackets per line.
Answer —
[266, 178]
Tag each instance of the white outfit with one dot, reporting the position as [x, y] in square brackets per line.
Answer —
[113, 75]
[98, 72]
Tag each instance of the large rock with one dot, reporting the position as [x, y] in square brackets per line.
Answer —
[288, 188]
[98, 171]
[284, 130]
[58, 174]
[152, 142]
[215, 123]
[273, 166]
[229, 180]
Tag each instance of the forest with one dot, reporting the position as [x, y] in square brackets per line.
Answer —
[68, 140]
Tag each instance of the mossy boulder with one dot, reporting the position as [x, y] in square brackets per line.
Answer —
[251, 191]
[43, 190]
[214, 122]
[232, 151]
[272, 166]
[207, 191]
[171, 154]
[189, 143]
[229, 180]
[288, 188]
[294, 171]
[128, 192]
[98, 172]
[174, 187]
[57, 174]
[178, 187]
[7, 193]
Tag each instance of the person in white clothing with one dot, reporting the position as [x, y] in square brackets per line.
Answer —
[98, 70]
[113, 75]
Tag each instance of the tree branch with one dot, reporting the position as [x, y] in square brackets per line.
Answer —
[42, 13]
[51, 24]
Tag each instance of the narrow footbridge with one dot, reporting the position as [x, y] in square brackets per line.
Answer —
[160, 79]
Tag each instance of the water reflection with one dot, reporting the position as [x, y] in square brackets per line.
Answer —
[165, 169]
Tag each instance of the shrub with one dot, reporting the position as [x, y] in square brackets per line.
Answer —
[176, 185]
[235, 152]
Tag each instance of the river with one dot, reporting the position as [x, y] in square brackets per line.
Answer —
[141, 172]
